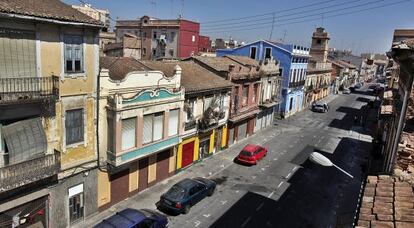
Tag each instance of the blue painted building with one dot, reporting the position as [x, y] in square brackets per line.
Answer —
[293, 66]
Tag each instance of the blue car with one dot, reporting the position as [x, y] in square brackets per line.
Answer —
[132, 218]
[186, 193]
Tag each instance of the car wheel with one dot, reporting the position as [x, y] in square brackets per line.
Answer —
[186, 209]
[210, 192]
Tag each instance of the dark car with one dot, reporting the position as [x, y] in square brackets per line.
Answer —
[251, 153]
[132, 218]
[319, 107]
[185, 194]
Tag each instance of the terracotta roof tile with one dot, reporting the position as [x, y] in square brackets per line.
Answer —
[194, 77]
[119, 67]
[48, 9]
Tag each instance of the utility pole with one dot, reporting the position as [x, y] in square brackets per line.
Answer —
[284, 35]
[182, 8]
[273, 24]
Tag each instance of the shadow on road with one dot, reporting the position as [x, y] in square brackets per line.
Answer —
[317, 196]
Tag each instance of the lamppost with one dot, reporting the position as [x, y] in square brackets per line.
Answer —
[324, 161]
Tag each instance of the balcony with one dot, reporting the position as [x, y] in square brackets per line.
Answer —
[296, 84]
[17, 175]
[190, 125]
[28, 89]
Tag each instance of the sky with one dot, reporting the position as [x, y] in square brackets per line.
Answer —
[294, 20]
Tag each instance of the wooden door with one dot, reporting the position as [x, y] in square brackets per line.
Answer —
[188, 154]
[163, 165]
[119, 186]
[143, 174]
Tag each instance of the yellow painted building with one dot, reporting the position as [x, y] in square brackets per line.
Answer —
[51, 53]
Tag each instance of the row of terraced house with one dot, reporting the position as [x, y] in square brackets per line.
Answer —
[80, 132]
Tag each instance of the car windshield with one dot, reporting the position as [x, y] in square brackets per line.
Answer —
[175, 193]
[245, 153]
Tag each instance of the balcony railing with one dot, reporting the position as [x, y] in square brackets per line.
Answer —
[190, 125]
[296, 84]
[17, 175]
[28, 89]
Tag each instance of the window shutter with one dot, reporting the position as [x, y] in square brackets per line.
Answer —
[158, 126]
[173, 122]
[25, 140]
[74, 126]
[147, 134]
[128, 133]
[17, 53]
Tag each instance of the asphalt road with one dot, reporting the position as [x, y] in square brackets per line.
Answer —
[285, 189]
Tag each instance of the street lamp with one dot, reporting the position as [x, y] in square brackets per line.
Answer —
[324, 161]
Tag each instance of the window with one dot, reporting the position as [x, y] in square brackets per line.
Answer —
[129, 133]
[294, 75]
[291, 104]
[173, 122]
[144, 51]
[144, 34]
[253, 52]
[255, 90]
[110, 136]
[268, 53]
[153, 127]
[318, 41]
[76, 203]
[73, 54]
[221, 102]
[172, 36]
[146, 223]
[154, 35]
[171, 52]
[207, 102]
[193, 38]
[190, 110]
[17, 53]
[245, 95]
[74, 126]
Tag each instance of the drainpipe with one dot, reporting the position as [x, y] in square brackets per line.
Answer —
[98, 97]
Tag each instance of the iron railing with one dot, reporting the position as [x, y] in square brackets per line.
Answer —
[27, 89]
[296, 84]
[17, 175]
[190, 125]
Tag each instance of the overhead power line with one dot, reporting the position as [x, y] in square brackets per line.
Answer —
[316, 19]
[281, 15]
[270, 13]
[298, 17]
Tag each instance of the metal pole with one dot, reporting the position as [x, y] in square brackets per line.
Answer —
[273, 24]
[343, 171]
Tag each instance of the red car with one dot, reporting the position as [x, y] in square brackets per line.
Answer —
[251, 154]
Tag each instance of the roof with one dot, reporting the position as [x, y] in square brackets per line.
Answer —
[386, 202]
[341, 63]
[119, 67]
[125, 218]
[222, 64]
[47, 9]
[194, 77]
[250, 147]
[244, 60]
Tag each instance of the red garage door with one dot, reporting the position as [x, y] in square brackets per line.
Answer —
[188, 154]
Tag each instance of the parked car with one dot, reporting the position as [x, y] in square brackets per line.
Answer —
[358, 85]
[132, 218]
[316, 107]
[185, 194]
[251, 153]
[346, 91]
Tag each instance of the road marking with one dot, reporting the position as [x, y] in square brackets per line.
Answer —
[263, 169]
[197, 223]
[237, 191]
[246, 221]
[253, 177]
[274, 159]
[271, 194]
[260, 206]
[280, 184]
[223, 202]
[207, 215]
[288, 175]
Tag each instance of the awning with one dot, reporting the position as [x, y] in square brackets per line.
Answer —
[244, 116]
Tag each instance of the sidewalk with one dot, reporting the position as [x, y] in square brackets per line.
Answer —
[209, 167]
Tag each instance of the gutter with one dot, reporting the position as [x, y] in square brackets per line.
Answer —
[55, 21]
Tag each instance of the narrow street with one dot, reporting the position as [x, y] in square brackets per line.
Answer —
[285, 189]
